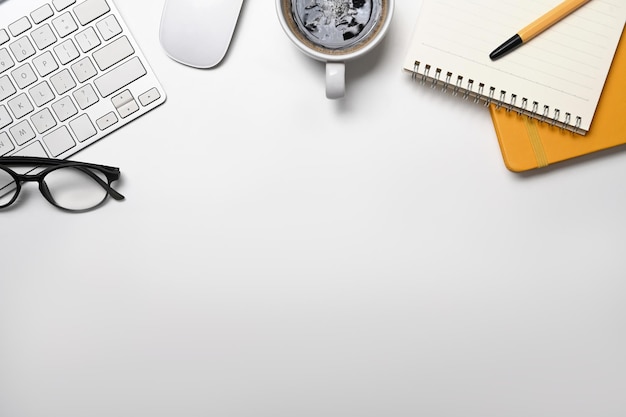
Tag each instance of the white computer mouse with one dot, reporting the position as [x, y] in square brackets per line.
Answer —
[198, 32]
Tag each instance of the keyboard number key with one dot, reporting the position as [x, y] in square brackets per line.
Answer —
[6, 145]
[6, 61]
[59, 141]
[109, 28]
[83, 128]
[22, 49]
[85, 96]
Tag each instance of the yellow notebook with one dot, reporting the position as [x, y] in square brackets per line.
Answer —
[527, 143]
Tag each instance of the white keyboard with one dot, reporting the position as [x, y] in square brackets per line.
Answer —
[70, 73]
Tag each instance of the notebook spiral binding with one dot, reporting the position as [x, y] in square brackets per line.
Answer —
[487, 95]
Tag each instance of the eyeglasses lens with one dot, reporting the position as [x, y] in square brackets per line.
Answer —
[8, 188]
[76, 188]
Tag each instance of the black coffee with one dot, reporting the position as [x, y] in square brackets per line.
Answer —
[337, 25]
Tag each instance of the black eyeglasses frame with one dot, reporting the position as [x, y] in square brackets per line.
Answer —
[112, 174]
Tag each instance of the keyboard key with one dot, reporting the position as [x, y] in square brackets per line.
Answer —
[41, 94]
[64, 25]
[128, 109]
[20, 106]
[85, 96]
[22, 132]
[42, 13]
[34, 149]
[59, 141]
[5, 117]
[64, 109]
[149, 97]
[120, 77]
[113, 53]
[45, 64]
[83, 128]
[43, 37]
[109, 27]
[6, 145]
[90, 10]
[43, 120]
[7, 89]
[20, 26]
[66, 52]
[88, 40]
[4, 36]
[62, 4]
[62, 82]
[6, 61]
[125, 104]
[22, 49]
[122, 98]
[106, 121]
[84, 69]
[24, 76]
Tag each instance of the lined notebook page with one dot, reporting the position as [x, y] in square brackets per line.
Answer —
[564, 67]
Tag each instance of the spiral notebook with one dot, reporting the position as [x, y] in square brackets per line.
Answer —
[528, 144]
[556, 77]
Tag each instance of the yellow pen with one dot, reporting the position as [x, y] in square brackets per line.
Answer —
[536, 27]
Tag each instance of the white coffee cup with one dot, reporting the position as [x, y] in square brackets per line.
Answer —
[335, 31]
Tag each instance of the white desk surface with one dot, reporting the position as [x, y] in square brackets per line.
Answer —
[283, 255]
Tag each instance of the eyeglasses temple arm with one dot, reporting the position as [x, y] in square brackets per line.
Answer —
[112, 192]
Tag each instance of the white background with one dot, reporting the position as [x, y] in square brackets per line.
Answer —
[282, 255]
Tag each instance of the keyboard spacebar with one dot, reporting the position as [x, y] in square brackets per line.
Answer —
[120, 77]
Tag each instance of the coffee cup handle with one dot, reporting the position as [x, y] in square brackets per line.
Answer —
[335, 80]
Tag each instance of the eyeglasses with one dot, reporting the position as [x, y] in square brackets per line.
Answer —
[68, 185]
